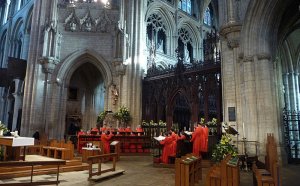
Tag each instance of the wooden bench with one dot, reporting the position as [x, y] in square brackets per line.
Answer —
[227, 173]
[188, 170]
[98, 160]
[269, 174]
[32, 164]
[59, 150]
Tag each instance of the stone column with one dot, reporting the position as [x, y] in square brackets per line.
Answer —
[296, 76]
[286, 91]
[18, 102]
[18, 5]
[292, 90]
[230, 11]
[6, 11]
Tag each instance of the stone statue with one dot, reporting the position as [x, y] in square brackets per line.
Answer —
[115, 94]
[187, 58]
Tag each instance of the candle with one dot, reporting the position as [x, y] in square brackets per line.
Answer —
[243, 130]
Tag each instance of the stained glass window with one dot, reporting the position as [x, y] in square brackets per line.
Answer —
[185, 5]
[207, 17]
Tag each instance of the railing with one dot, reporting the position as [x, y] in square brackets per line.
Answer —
[291, 121]
[32, 164]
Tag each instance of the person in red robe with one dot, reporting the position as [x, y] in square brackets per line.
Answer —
[106, 143]
[174, 142]
[128, 129]
[196, 139]
[205, 131]
[104, 128]
[168, 148]
[80, 145]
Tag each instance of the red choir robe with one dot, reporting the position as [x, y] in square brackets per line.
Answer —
[174, 142]
[106, 143]
[196, 139]
[128, 129]
[205, 130]
[80, 145]
[168, 148]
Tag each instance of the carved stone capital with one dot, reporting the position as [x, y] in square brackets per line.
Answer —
[263, 56]
[48, 64]
[119, 66]
[249, 58]
[233, 43]
[229, 28]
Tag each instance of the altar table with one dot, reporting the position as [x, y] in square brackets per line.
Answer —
[13, 147]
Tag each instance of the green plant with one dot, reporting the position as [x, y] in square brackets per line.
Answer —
[213, 122]
[3, 127]
[223, 148]
[123, 114]
[101, 116]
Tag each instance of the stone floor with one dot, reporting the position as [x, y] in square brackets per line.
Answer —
[139, 171]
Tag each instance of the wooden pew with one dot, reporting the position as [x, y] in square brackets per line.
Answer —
[98, 160]
[188, 170]
[225, 174]
[269, 175]
[32, 164]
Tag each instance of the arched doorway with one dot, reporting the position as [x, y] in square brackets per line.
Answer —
[181, 112]
[85, 98]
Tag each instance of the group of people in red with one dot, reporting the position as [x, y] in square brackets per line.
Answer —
[106, 133]
[170, 145]
[199, 139]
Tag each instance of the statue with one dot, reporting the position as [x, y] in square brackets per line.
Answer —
[187, 58]
[115, 94]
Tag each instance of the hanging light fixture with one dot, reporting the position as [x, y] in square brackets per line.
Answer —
[72, 3]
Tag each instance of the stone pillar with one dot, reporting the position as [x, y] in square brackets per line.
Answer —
[296, 76]
[18, 102]
[230, 11]
[6, 11]
[292, 90]
[18, 5]
[286, 91]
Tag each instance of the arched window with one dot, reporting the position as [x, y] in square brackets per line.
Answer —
[185, 5]
[156, 36]
[207, 17]
[185, 47]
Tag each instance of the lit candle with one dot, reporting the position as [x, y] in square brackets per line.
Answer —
[243, 130]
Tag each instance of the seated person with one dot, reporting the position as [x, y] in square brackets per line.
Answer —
[139, 128]
[120, 129]
[81, 132]
[128, 129]
[95, 131]
[104, 128]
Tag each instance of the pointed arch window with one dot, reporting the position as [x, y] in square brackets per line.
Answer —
[156, 36]
[207, 17]
[185, 5]
[185, 46]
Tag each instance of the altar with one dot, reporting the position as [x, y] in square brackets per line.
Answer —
[12, 147]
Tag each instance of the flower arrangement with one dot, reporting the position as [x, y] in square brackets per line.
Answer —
[161, 123]
[3, 127]
[223, 148]
[202, 120]
[213, 122]
[101, 116]
[123, 114]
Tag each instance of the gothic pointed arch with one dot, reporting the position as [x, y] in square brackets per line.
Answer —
[65, 69]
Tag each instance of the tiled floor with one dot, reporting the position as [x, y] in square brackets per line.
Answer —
[140, 172]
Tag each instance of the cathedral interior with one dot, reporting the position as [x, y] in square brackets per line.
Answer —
[175, 61]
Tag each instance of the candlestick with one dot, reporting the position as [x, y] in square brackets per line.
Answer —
[243, 130]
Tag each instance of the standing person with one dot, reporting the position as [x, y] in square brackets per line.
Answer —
[105, 140]
[196, 139]
[168, 148]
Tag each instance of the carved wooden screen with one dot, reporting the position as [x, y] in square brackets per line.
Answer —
[187, 92]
